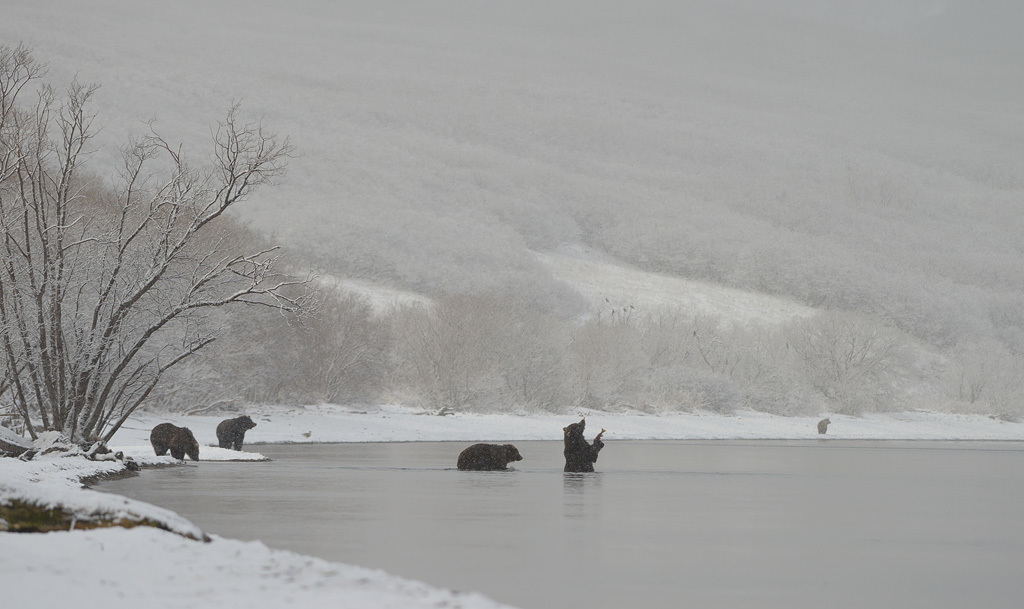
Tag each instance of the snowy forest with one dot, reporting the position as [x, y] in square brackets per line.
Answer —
[854, 167]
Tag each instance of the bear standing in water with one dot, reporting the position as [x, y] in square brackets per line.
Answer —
[231, 432]
[579, 454]
[179, 440]
[488, 457]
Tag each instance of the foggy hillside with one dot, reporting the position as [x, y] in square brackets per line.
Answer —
[845, 156]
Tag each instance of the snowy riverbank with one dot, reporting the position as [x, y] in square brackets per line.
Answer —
[130, 567]
[109, 568]
[331, 423]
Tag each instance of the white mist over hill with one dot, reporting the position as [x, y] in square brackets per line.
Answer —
[839, 155]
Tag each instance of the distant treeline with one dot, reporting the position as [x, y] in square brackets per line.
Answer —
[492, 354]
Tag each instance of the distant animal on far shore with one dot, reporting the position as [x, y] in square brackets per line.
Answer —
[823, 425]
[231, 432]
[488, 457]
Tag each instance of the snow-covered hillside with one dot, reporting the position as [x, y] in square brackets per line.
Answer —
[381, 298]
[613, 288]
[842, 151]
[851, 156]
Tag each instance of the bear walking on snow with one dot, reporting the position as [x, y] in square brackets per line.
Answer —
[179, 440]
[823, 425]
[580, 455]
[485, 457]
[231, 432]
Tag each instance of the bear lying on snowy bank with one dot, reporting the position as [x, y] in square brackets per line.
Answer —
[487, 457]
[179, 440]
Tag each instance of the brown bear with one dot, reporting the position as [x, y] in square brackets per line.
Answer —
[179, 440]
[231, 432]
[579, 454]
[823, 425]
[487, 457]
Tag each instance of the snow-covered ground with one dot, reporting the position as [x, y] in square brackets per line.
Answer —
[146, 566]
[608, 285]
[331, 423]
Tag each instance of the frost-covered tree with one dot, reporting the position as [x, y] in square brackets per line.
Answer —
[986, 376]
[850, 359]
[606, 360]
[529, 347]
[104, 288]
[443, 346]
[334, 352]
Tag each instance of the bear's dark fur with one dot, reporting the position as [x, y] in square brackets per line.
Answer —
[823, 425]
[579, 454]
[179, 440]
[488, 457]
[231, 432]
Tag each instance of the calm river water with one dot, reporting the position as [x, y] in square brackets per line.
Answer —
[661, 524]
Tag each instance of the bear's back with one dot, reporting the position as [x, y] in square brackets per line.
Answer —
[485, 457]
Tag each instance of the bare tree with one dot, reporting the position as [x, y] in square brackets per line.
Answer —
[986, 376]
[444, 346]
[849, 358]
[345, 349]
[527, 347]
[102, 290]
[607, 361]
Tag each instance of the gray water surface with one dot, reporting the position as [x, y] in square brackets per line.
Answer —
[661, 524]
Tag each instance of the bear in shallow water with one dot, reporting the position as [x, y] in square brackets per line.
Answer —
[823, 425]
[487, 457]
[580, 455]
[231, 432]
[179, 440]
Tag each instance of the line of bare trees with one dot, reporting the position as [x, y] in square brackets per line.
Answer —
[494, 354]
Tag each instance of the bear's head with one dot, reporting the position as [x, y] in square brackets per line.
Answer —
[575, 428]
[512, 453]
[188, 443]
[245, 422]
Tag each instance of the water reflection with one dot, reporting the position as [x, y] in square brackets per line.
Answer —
[486, 494]
[581, 494]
